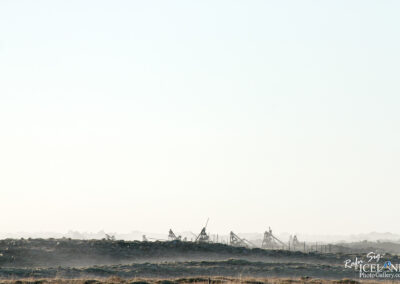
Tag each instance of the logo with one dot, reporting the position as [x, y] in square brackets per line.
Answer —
[371, 266]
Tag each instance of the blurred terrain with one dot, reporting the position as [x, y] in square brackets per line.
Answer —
[69, 258]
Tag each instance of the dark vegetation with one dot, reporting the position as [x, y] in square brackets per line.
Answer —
[199, 280]
[230, 267]
[67, 252]
[66, 258]
[378, 246]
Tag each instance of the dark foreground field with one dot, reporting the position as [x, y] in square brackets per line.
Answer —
[93, 259]
[198, 280]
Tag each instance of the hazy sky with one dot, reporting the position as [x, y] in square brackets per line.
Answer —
[146, 115]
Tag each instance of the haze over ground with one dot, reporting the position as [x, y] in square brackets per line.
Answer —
[255, 238]
[150, 115]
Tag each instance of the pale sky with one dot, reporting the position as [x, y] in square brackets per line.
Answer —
[146, 115]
